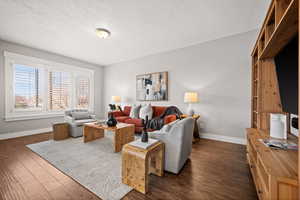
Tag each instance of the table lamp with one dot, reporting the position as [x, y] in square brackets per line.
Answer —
[115, 100]
[190, 98]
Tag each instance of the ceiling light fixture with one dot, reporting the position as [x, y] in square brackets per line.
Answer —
[102, 33]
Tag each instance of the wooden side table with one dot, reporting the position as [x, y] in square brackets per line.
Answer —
[60, 131]
[196, 128]
[138, 163]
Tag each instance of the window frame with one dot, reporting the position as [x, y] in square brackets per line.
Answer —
[12, 114]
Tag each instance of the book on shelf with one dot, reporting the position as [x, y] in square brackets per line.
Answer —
[279, 144]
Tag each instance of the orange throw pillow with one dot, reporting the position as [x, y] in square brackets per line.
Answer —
[169, 119]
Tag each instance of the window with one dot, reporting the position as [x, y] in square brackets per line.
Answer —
[37, 88]
[26, 87]
[83, 92]
[60, 86]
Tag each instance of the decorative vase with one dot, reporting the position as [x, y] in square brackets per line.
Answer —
[144, 136]
[111, 121]
[145, 133]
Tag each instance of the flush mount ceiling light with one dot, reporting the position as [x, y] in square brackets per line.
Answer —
[102, 33]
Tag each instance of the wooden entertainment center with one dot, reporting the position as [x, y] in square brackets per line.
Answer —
[275, 172]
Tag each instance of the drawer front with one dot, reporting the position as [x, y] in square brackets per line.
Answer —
[252, 167]
[261, 192]
[263, 174]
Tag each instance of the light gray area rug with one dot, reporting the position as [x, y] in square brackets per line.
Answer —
[94, 164]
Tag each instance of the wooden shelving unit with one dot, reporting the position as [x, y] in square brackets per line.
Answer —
[281, 180]
[278, 28]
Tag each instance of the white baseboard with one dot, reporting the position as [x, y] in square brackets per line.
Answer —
[45, 130]
[24, 133]
[224, 138]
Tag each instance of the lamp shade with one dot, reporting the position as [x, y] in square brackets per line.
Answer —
[191, 97]
[116, 99]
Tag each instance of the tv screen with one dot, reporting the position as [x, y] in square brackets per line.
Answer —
[287, 74]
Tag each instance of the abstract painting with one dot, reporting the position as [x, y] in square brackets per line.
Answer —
[152, 87]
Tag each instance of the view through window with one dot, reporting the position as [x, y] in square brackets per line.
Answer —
[26, 87]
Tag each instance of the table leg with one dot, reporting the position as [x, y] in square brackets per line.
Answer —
[123, 136]
[90, 134]
[196, 136]
[156, 161]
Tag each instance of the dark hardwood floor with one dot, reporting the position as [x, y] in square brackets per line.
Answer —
[216, 171]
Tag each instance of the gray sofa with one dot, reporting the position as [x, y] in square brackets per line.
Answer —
[178, 139]
[76, 118]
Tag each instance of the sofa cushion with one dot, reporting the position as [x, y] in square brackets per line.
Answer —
[82, 121]
[122, 118]
[116, 113]
[80, 115]
[126, 110]
[136, 122]
[135, 110]
[146, 110]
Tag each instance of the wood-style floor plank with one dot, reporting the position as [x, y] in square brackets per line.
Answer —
[216, 170]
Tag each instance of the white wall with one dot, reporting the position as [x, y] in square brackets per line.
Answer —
[17, 126]
[218, 70]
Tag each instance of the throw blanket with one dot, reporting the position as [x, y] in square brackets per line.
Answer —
[158, 122]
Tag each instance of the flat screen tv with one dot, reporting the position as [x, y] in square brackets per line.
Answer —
[287, 74]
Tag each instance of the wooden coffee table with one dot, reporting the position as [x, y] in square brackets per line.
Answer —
[123, 133]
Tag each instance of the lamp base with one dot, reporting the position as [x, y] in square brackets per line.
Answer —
[190, 111]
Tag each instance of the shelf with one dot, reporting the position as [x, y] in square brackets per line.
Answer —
[286, 29]
[270, 24]
[281, 7]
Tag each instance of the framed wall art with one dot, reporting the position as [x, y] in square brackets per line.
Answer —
[152, 87]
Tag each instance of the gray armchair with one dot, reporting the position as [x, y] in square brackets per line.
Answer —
[178, 143]
[76, 118]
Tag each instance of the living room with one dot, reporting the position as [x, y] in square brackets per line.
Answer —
[149, 100]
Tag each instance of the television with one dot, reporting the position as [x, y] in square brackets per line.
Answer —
[286, 62]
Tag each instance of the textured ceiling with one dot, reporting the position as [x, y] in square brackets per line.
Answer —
[138, 27]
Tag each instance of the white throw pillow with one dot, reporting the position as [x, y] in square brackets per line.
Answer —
[146, 110]
[135, 111]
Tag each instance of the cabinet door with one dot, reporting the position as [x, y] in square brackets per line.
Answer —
[287, 191]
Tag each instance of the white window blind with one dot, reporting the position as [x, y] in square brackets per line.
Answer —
[60, 90]
[26, 87]
[83, 92]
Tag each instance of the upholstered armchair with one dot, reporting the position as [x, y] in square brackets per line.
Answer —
[178, 139]
[76, 118]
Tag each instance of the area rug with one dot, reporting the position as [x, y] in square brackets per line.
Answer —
[94, 164]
